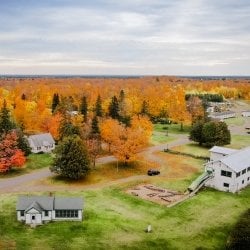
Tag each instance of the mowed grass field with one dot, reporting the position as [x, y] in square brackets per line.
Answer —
[116, 220]
[240, 141]
[171, 128]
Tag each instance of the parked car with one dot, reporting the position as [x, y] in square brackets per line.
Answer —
[153, 172]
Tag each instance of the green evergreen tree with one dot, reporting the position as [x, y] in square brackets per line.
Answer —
[98, 107]
[55, 102]
[67, 129]
[71, 158]
[114, 108]
[22, 142]
[210, 133]
[5, 122]
[121, 100]
[84, 108]
[23, 97]
[196, 132]
[144, 108]
[95, 126]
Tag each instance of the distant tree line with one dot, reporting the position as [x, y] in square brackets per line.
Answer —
[206, 97]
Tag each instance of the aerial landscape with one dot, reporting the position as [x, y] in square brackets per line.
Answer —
[125, 124]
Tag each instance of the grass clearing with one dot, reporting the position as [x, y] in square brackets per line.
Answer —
[115, 220]
[34, 161]
[104, 173]
[160, 138]
[237, 121]
[240, 141]
[192, 148]
[171, 128]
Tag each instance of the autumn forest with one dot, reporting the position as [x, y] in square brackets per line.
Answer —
[111, 112]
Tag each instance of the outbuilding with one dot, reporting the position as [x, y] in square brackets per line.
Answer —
[222, 115]
[246, 113]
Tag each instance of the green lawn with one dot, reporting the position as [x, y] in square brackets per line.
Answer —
[238, 121]
[172, 128]
[115, 220]
[161, 137]
[240, 141]
[193, 148]
[34, 161]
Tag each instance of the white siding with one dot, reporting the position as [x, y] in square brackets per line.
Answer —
[218, 180]
[246, 113]
[37, 219]
[47, 218]
[235, 183]
[19, 217]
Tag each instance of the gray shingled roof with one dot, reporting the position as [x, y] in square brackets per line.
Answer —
[222, 150]
[49, 203]
[238, 161]
[35, 205]
[41, 139]
[68, 203]
[24, 202]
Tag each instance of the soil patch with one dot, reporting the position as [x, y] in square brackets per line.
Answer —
[156, 194]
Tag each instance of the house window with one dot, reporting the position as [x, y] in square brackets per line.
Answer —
[237, 174]
[244, 171]
[226, 173]
[242, 181]
[248, 169]
[226, 185]
[46, 213]
[66, 213]
[33, 217]
[248, 178]
[22, 213]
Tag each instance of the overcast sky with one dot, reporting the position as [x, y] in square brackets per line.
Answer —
[166, 37]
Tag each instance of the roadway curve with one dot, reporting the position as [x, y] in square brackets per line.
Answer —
[28, 182]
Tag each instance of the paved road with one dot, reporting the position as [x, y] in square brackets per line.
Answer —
[24, 183]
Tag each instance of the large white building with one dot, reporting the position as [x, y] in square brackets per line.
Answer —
[230, 169]
[36, 210]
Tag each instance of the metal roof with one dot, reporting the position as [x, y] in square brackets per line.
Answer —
[49, 203]
[238, 161]
[68, 203]
[222, 150]
[40, 140]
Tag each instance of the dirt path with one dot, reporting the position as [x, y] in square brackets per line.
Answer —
[30, 182]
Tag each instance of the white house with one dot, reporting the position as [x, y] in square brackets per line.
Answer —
[246, 113]
[41, 143]
[36, 210]
[230, 169]
[222, 115]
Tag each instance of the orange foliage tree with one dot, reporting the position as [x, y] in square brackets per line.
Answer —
[126, 142]
[10, 155]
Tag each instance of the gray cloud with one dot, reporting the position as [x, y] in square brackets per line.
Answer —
[125, 37]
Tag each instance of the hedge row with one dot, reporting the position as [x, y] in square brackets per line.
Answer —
[185, 154]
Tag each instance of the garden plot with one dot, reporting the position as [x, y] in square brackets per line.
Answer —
[156, 194]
